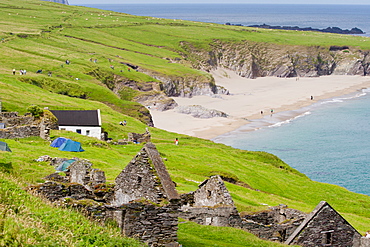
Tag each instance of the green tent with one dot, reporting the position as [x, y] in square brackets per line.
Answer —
[4, 147]
[65, 165]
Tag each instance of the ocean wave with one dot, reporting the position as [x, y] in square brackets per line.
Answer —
[347, 97]
[278, 124]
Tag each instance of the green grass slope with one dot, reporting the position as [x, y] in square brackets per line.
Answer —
[42, 35]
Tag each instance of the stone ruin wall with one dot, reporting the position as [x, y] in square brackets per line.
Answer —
[327, 221]
[84, 188]
[22, 126]
[365, 242]
[275, 224]
[138, 180]
[157, 225]
[210, 204]
[139, 138]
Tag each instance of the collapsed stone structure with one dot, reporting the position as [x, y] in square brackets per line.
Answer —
[145, 177]
[325, 227]
[210, 204]
[145, 204]
[139, 138]
[16, 126]
[275, 224]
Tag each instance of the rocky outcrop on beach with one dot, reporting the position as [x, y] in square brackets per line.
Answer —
[198, 111]
[251, 59]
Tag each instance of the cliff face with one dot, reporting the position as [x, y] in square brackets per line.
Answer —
[58, 1]
[252, 60]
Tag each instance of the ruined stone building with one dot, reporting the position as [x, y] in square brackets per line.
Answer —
[145, 177]
[210, 204]
[143, 202]
[275, 224]
[325, 227]
[15, 126]
[145, 205]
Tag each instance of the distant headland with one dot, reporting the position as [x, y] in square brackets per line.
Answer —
[338, 30]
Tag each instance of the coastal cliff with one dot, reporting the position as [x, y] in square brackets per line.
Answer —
[251, 59]
[257, 59]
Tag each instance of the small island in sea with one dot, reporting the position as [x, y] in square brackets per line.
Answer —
[338, 30]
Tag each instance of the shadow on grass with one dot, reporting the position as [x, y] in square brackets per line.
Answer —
[6, 167]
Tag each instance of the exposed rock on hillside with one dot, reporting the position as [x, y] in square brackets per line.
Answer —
[252, 60]
[156, 100]
[188, 86]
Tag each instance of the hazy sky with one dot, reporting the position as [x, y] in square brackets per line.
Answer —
[350, 2]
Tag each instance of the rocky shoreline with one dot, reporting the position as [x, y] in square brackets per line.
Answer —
[337, 30]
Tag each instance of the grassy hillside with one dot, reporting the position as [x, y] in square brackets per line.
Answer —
[42, 35]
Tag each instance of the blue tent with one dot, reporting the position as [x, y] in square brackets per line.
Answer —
[71, 146]
[58, 142]
[65, 165]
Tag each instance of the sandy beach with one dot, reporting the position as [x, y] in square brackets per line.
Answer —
[248, 97]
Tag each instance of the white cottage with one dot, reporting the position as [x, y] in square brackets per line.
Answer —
[84, 122]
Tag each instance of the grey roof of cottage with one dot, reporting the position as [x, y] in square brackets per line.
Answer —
[309, 218]
[77, 117]
[164, 176]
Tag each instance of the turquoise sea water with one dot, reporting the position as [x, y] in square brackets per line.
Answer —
[329, 141]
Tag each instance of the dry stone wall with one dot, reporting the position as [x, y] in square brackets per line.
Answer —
[275, 224]
[23, 126]
[154, 225]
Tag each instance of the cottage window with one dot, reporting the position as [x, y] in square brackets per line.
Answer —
[87, 132]
[327, 238]
[78, 131]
